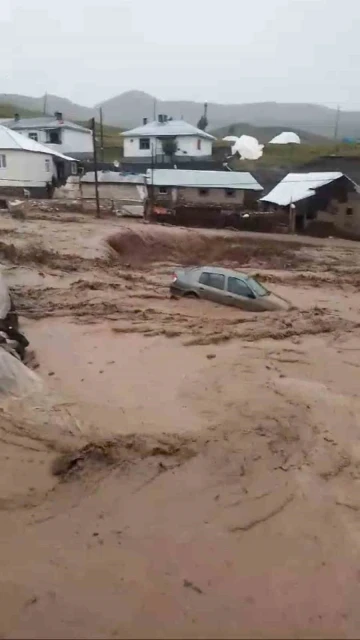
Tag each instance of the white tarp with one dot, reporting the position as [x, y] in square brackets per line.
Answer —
[248, 148]
[16, 380]
[5, 302]
[286, 137]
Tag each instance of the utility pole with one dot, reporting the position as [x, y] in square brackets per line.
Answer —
[101, 135]
[155, 109]
[45, 103]
[93, 127]
[337, 120]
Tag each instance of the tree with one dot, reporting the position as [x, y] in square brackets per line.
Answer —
[169, 147]
[203, 122]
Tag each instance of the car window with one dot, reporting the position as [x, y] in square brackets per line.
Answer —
[214, 280]
[238, 287]
[257, 288]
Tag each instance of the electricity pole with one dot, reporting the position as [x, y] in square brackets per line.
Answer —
[337, 120]
[101, 135]
[93, 127]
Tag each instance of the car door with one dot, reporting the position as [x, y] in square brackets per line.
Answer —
[212, 286]
[239, 294]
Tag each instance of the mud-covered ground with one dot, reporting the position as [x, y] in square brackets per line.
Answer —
[206, 482]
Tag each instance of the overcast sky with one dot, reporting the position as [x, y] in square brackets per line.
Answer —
[223, 51]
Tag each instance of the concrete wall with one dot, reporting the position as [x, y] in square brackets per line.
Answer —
[187, 147]
[338, 214]
[193, 195]
[26, 169]
[114, 191]
[72, 141]
[128, 192]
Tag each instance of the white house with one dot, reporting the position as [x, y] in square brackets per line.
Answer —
[58, 134]
[147, 141]
[26, 164]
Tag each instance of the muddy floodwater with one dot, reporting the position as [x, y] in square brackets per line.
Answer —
[197, 470]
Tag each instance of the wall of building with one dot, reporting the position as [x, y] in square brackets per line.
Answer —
[338, 213]
[187, 146]
[194, 195]
[127, 192]
[72, 141]
[121, 191]
[26, 169]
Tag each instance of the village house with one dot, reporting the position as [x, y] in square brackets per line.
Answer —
[151, 141]
[203, 196]
[27, 165]
[324, 202]
[58, 134]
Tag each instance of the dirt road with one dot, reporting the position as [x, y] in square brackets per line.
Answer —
[206, 482]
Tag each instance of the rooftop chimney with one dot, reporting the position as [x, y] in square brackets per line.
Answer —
[161, 118]
[144, 121]
[58, 115]
[16, 117]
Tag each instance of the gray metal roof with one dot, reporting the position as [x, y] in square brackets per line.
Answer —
[202, 179]
[44, 122]
[299, 186]
[13, 140]
[169, 128]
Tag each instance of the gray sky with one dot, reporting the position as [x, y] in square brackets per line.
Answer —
[223, 51]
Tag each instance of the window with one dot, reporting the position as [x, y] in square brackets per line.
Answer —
[203, 192]
[230, 193]
[53, 136]
[74, 169]
[199, 145]
[239, 288]
[144, 144]
[349, 211]
[47, 165]
[214, 280]
[2, 161]
[163, 190]
[257, 288]
[33, 135]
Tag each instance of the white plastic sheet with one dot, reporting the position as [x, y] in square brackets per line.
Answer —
[286, 137]
[248, 148]
[5, 302]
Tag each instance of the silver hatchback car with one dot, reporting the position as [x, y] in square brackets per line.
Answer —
[225, 286]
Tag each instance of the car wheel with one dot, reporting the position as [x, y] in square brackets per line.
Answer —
[191, 294]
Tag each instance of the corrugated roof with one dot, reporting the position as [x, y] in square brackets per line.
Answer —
[168, 128]
[10, 139]
[298, 186]
[114, 177]
[43, 122]
[202, 179]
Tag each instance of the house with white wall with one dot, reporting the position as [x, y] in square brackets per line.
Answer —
[58, 134]
[146, 142]
[26, 164]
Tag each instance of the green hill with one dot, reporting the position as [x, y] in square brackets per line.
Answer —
[8, 111]
[265, 134]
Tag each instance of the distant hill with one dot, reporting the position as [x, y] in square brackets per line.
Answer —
[7, 111]
[265, 134]
[51, 104]
[128, 109]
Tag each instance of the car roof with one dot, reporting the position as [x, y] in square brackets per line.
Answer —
[222, 271]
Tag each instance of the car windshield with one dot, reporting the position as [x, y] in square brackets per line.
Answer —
[257, 288]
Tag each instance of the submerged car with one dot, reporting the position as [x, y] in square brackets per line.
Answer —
[225, 286]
